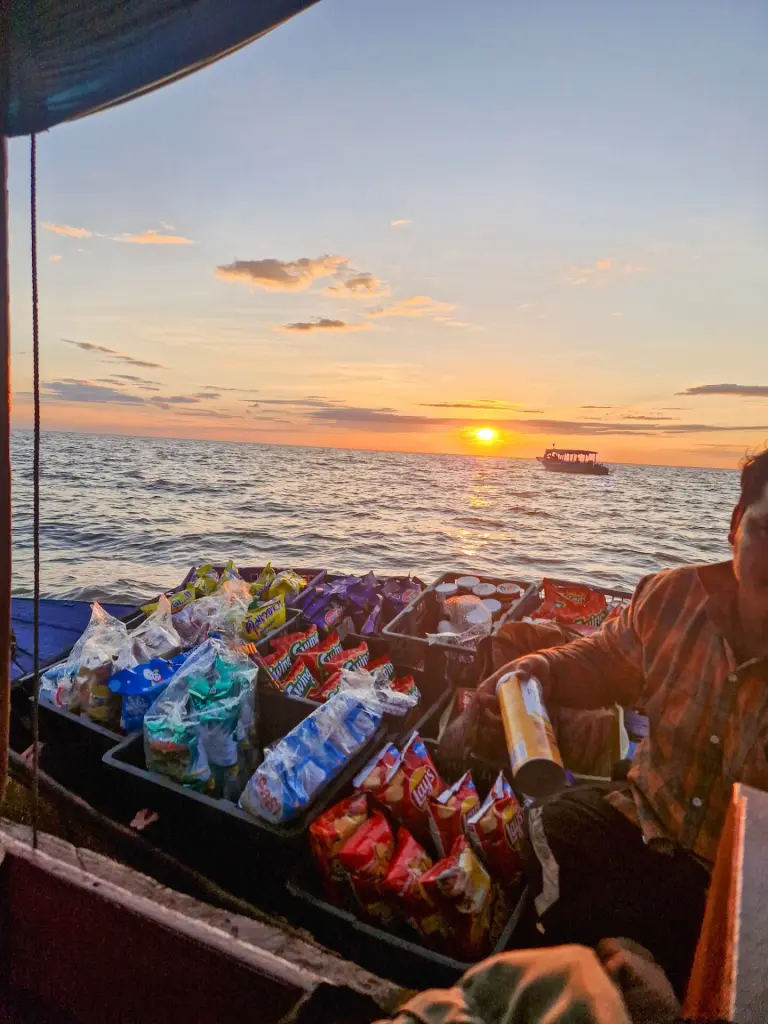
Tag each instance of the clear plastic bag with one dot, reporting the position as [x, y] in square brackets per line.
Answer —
[155, 637]
[200, 730]
[375, 690]
[222, 612]
[309, 758]
[90, 662]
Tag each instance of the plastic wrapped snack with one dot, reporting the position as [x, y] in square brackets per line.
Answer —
[305, 761]
[287, 583]
[366, 856]
[199, 730]
[155, 637]
[327, 835]
[572, 604]
[402, 887]
[496, 829]
[221, 612]
[409, 787]
[90, 663]
[139, 687]
[461, 889]
[448, 813]
[264, 619]
[393, 701]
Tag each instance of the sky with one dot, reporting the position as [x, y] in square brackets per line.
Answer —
[390, 224]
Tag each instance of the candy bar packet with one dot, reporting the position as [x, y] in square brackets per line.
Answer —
[409, 786]
[496, 829]
[366, 856]
[448, 813]
[461, 889]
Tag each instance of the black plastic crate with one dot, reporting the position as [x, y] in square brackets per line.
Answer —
[435, 692]
[402, 959]
[222, 818]
[409, 644]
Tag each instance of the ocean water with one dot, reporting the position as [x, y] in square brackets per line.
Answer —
[122, 517]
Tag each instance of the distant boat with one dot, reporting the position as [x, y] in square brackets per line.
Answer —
[572, 460]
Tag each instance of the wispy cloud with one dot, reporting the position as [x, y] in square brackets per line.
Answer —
[650, 419]
[114, 354]
[54, 259]
[401, 223]
[361, 285]
[321, 324]
[478, 403]
[601, 270]
[151, 237]
[596, 407]
[740, 390]
[417, 306]
[66, 229]
[70, 389]
[281, 275]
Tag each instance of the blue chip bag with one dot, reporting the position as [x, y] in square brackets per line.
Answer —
[139, 687]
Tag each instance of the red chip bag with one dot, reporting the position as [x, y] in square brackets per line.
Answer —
[355, 657]
[327, 689]
[373, 776]
[294, 644]
[316, 658]
[278, 666]
[407, 685]
[462, 892]
[327, 835]
[384, 666]
[448, 813]
[496, 829]
[464, 698]
[366, 856]
[402, 886]
[409, 787]
[572, 604]
[299, 681]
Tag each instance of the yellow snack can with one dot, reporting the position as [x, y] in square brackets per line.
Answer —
[537, 767]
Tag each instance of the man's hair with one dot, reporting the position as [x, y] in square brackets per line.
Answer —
[754, 477]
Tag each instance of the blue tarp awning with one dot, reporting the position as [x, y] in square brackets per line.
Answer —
[62, 59]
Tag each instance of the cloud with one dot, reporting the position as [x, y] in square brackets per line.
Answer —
[133, 379]
[321, 323]
[741, 390]
[599, 271]
[400, 223]
[85, 391]
[279, 275]
[65, 229]
[151, 237]
[479, 403]
[649, 418]
[115, 356]
[361, 285]
[54, 259]
[416, 305]
[596, 407]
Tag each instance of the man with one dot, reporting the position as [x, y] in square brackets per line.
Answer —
[691, 650]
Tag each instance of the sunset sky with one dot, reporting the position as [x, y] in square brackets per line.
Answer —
[388, 224]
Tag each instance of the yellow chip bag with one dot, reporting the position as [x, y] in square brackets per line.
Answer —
[178, 600]
[287, 583]
[263, 581]
[264, 618]
[205, 579]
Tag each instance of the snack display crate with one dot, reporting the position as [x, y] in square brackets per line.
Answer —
[223, 819]
[251, 573]
[435, 693]
[399, 956]
[403, 960]
[457, 666]
[84, 741]
[531, 601]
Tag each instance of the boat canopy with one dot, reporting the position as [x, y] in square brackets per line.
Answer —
[63, 59]
[568, 451]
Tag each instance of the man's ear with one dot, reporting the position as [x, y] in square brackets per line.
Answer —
[736, 516]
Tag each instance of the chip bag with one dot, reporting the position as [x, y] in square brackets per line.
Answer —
[406, 685]
[294, 644]
[410, 785]
[299, 681]
[572, 604]
[287, 583]
[372, 777]
[204, 580]
[327, 835]
[449, 811]
[317, 657]
[383, 666]
[355, 657]
[461, 889]
[366, 856]
[230, 572]
[263, 581]
[496, 829]
[402, 887]
[264, 619]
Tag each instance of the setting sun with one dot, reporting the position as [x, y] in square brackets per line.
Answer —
[487, 434]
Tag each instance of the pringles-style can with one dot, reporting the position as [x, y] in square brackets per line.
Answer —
[537, 767]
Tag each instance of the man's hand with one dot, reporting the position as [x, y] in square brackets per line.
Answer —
[488, 704]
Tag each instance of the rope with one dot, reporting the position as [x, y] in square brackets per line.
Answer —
[35, 496]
